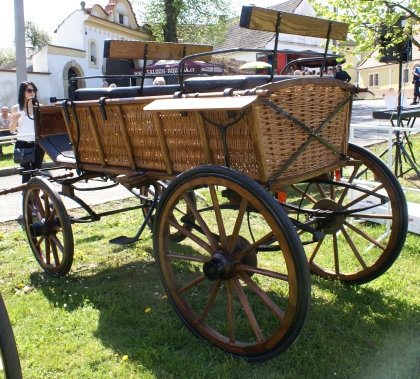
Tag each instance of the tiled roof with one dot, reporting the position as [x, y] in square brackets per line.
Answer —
[109, 8]
[11, 66]
[242, 37]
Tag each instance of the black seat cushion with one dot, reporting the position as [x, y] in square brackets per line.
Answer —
[237, 82]
[124, 92]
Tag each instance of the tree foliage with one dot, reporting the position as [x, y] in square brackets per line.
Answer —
[7, 55]
[35, 36]
[373, 21]
[189, 21]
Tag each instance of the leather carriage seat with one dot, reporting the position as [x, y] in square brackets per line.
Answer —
[192, 85]
[124, 92]
[237, 82]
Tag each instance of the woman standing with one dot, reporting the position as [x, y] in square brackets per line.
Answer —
[25, 126]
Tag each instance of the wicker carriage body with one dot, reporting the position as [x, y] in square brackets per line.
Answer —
[260, 142]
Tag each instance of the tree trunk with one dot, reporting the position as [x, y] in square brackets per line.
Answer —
[172, 8]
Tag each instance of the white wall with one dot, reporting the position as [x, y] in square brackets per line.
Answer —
[71, 32]
[8, 95]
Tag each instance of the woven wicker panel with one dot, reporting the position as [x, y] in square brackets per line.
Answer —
[183, 139]
[112, 141]
[86, 149]
[143, 137]
[281, 138]
[238, 139]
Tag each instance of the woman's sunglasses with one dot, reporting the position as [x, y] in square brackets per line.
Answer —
[30, 90]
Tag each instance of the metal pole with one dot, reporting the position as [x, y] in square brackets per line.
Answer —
[21, 74]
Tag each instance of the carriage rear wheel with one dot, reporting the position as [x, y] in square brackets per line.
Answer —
[246, 301]
[48, 227]
[360, 246]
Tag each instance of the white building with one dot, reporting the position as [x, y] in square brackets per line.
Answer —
[79, 51]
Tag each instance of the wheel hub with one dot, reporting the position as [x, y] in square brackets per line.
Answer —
[38, 229]
[220, 266]
[329, 223]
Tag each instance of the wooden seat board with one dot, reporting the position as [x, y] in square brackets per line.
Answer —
[266, 20]
[155, 50]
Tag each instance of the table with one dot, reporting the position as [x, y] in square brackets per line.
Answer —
[406, 118]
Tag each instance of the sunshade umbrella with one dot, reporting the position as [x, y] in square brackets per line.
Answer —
[256, 64]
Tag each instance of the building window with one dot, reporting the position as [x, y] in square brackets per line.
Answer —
[406, 75]
[93, 54]
[121, 18]
[373, 80]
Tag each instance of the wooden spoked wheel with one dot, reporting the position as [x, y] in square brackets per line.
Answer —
[250, 303]
[359, 245]
[48, 227]
[180, 210]
[10, 361]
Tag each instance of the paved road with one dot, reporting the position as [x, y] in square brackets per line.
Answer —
[11, 204]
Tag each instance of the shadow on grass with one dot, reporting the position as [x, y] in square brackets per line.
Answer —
[351, 332]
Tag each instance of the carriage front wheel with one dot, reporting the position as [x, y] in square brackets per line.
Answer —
[365, 221]
[48, 227]
[250, 302]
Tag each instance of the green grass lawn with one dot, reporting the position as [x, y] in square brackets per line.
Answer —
[6, 160]
[109, 319]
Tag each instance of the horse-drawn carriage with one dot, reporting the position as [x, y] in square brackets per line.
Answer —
[245, 181]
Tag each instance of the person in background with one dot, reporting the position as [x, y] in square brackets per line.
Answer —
[25, 126]
[5, 119]
[297, 72]
[159, 81]
[416, 82]
[330, 72]
[105, 85]
[112, 85]
[342, 75]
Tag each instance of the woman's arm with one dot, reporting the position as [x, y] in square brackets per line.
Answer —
[15, 117]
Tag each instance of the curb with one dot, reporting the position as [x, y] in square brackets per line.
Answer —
[9, 171]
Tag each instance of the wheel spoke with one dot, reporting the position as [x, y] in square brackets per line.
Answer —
[191, 284]
[354, 248]
[262, 295]
[193, 237]
[187, 257]
[350, 181]
[218, 214]
[210, 301]
[336, 260]
[254, 246]
[362, 197]
[231, 312]
[316, 249]
[238, 224]
[305, 194]
[213, 242]
[364, 235]
[370, 215]
[261, 271]
[247, 309]
[55, 254]
[57, 242]
[321, 190]
[39, 242]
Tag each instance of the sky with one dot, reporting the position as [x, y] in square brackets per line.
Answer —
[48, 14]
